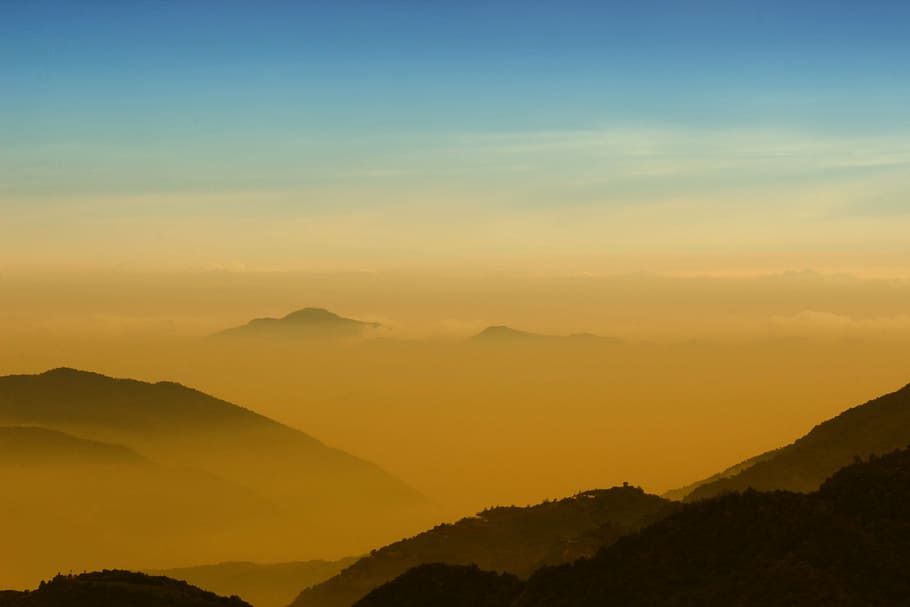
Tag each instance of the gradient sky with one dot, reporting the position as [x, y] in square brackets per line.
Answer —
[360, 134]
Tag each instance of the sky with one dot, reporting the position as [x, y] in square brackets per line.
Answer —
[576, 136]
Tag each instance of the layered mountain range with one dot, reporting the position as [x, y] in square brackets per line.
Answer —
[118, 472]
[122, 472]
[846, 544]
[788, 544]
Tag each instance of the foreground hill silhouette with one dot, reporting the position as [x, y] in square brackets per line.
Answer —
[848, 544]
[112, 588]
[308, 323]
[439, 585]
[509, 539]
[219, 481]
[878, 426]
[263, 585]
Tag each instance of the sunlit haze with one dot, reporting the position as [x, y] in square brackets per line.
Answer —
[471, 254]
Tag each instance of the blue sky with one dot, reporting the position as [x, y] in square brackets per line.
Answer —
[125, 70]
[289, 108]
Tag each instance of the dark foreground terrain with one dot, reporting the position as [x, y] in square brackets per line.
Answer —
[116, 589]
[516, 540]
[847, 544]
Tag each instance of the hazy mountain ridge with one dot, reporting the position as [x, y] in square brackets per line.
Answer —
[504, 333]
[165, 418]
[219, 481]
[875, 427]
[113, 588]
[681, 493]
[847, 544]
[512, 539]
[72, 396]
[109, 507]
[262, 584]
[29, 446]
[306, 323]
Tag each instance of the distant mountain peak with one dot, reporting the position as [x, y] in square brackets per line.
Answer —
[306, 322]
[507, 333]
[316, 315]
[70, 372]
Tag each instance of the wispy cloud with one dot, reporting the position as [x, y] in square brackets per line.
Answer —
[810, 322]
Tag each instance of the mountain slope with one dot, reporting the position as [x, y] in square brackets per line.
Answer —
[172, 423]
[846, 545]
[221, 482]
[31, 446]
[308, 323]
[99, 504]
[681, 493]
[503, 333]
[440, 585]
[263, 585]
[510, 539]
[878, 426]
[116, 589]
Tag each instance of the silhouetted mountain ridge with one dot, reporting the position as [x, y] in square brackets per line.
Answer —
[681, 493]
[440, 585]
[65, 395]
[845, 545]
[512, 539]
[113, 588]
[875, 427]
